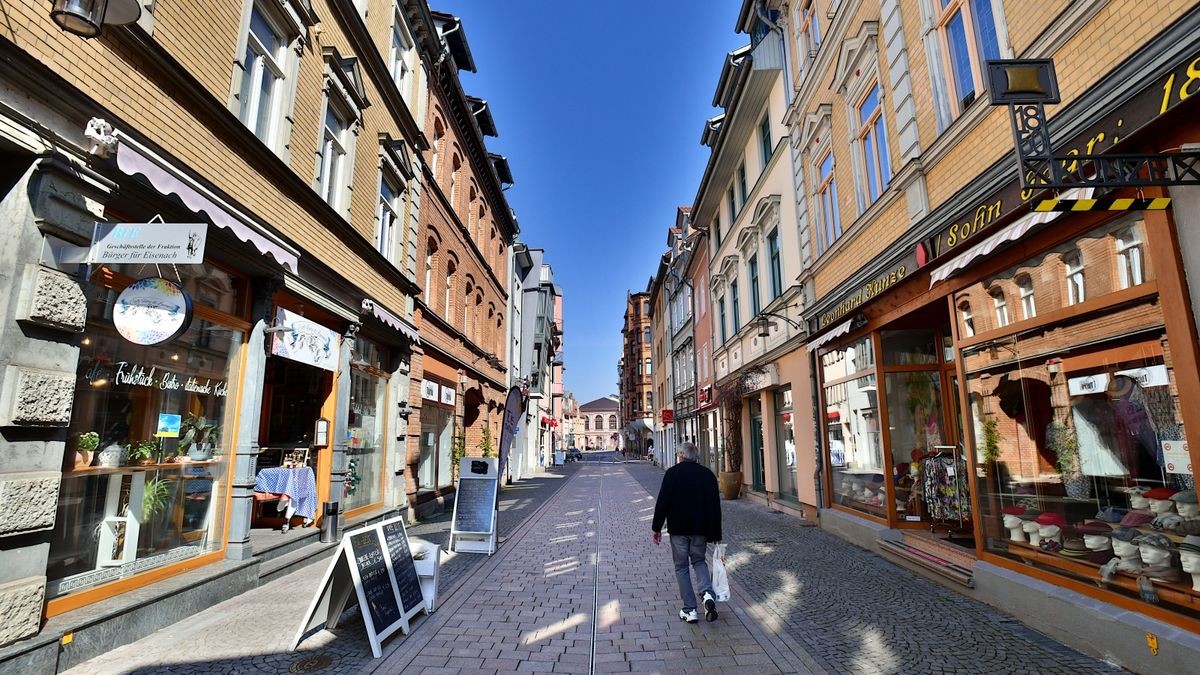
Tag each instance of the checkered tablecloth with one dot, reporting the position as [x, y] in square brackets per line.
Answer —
[299, 484]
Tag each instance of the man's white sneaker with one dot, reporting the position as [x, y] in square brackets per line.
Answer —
[688, 615]
[710, 607]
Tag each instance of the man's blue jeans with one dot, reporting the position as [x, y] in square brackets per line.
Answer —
[688, 552]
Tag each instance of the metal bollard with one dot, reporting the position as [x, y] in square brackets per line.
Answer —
[329, 522]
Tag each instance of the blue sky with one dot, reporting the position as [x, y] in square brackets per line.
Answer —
[599, 106]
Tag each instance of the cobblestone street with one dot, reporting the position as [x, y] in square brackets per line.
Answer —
[577, 586]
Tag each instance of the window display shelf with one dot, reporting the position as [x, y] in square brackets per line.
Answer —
[1177, 594]
[105, 470]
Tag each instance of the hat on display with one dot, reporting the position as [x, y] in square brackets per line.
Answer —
[1047, 519]
[1111, 514]
[1073, 547]
[1126, 534]
[1012, 511]
[1094, 528]
[1134, 489]
[1028, 503]
[1167, 521]
[1185, 497]
[1135, 518]
[1191, 544]
[1188, 527]
[1160, 493]
[1030, 514]
[1155, 541]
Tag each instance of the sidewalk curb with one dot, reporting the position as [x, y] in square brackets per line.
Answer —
[398, 656]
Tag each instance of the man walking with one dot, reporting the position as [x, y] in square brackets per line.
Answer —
[691, 506]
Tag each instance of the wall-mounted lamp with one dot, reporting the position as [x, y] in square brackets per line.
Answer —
[87, 18]
[764, 323]
[404, 410]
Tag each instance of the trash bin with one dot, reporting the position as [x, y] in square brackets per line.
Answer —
[329, 522]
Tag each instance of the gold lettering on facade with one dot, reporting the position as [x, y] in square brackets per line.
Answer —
[985, 214]
[869, 290]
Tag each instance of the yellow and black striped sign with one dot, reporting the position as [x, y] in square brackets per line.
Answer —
[1112, 204]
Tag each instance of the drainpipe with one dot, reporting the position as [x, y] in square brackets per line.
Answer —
[446, 45]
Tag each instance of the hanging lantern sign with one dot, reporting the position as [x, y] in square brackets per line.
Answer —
[152, 310]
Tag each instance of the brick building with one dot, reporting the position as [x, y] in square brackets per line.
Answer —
[301, 146]
[636, 385]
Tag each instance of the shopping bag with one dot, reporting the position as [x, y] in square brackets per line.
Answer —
[720, 578]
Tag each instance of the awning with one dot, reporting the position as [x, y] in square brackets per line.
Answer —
[1011, 233]
[133, 158]
[379, 312]
[841, 329]
[638, 425]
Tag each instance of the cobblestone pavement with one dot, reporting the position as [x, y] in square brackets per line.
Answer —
[251, 633]
[560, 598]
[856, 612]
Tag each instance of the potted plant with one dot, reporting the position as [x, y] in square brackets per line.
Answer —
[196, 438]
[156, 494]
[729, 396]
[143, 452]
[1062, 440]
[113, 455]
[85, 445]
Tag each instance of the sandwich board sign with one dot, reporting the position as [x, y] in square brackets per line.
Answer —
[473, 529]
[374, 565]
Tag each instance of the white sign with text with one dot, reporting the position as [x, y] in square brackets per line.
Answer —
[142, 243]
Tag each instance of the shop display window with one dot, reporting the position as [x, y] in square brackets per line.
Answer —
[145, 469]
[785, 443]
[433, 465]
[1083, 467]
[365, 451]
[853, 433]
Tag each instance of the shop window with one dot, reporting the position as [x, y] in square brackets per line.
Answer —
[929, 485]
[876, 169]
[1000, 305]
[827, 197]
[145, 473]
[855, 445]
[909, 347]
[967, 37]
[1028, 302]
[764, 139]
[754, 290]
[1073, 269]
[433, 463]
[966, 319]
[1129, 257]
[365, 448]
[785, 444]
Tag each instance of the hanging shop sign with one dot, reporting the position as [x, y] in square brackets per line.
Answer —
[514, 406]
[375, 565]
[668, 416]
[429, 390]
[305, 341]
[150, 243]
[152, 310]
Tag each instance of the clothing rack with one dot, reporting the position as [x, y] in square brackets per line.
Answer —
[943, 472]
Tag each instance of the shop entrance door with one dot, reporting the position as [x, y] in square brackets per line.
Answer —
[292, 461]
[757, 471]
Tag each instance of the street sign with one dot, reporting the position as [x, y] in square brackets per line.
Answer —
[375, 565]
[148, 243]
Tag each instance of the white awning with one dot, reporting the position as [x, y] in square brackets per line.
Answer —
[841, 329]
[1011, 233]
[133, 158]
[379, 312]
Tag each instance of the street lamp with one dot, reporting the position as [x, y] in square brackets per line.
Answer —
[86, 18]
[764, 323]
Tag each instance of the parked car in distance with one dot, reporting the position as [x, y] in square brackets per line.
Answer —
[574, 455]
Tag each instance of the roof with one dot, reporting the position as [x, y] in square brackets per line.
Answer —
[456, 40]
[602, 404]
[483, 115]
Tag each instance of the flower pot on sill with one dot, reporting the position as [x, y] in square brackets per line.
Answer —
[200, 453]
[731, 484]
[112, 456]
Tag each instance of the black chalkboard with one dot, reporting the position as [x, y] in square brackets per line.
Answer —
[402, 565]
[474, 505]
[375, 580]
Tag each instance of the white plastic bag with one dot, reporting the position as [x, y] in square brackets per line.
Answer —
[720, 578]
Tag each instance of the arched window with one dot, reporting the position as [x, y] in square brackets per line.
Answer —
[472, 195]
[646, 336]
[968, 320]
[1001, 305]
[477, 338]
[599, 422]
[470, 290]
[435, 149]
[612, 421]
[586, 424]
[455, 165]
[430, 251]
[481, 217]
[1073, 264]
[451, 268]
[1028, 304]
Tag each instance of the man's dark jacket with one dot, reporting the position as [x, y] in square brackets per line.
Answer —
[689, 502]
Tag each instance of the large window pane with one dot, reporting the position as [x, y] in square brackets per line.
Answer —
[365, 450]
[931, 483]
[785, 443]
[855, 445]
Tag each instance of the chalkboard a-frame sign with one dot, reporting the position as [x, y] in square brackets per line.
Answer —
[473, 529]
[375, 565]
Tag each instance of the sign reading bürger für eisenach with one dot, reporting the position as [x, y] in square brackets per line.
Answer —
[162, 243]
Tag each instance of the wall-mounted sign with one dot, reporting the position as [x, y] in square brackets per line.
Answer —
[429, 390]
[152, 310]
[867, 291]
[305, 341]
[162, 243]
[1176, 458]
[668, 416]
[448, 395]
[1153, 376]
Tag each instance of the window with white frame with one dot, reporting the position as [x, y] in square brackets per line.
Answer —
[399, 55]
[1028, 304]
[831, 225]
[332, 169]
[734, 308]
[716, 228]
[448, 307]
[1129, 257]
[648, 366]
[764, 139]
[1000, 304]
[810, 30]
[752, 267]
[775, 263]
[967, 319]
[967, 37]
[743, 191]
[430, 249]
[875, 170]
[345, 100]
[389, 232]
[721, 319]
[265, 68]
[731, 202]
[1073, 269]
